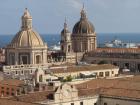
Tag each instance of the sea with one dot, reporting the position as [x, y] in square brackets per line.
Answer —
[54, 39]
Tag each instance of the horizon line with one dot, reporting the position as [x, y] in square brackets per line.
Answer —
[96, 33]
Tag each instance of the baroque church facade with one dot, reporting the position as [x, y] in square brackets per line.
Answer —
[82, 38]
[83, 35]
[27, 47]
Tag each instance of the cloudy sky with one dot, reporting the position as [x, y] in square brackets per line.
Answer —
[108, 16]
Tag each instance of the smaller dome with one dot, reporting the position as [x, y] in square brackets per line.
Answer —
[65, 30]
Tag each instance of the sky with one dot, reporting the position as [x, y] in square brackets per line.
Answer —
[107, 16]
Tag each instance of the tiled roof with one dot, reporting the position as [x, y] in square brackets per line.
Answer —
[128, 87]
[119, 92]
[84, 68]
[33, 97]
[118, 50]
[11, 102]
[123, 87]
[12, 82]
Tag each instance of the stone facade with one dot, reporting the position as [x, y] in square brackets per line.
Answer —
[76, 73]
[66, 45]
[81, 40]
[83, 35]
[27, 47]
[123, 57]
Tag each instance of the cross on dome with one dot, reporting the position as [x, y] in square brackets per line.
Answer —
[26, 14]
[65, 24]
[83, 13]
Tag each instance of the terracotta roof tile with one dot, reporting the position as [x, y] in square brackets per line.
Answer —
[127, 87]
[33, 97]
[11, 102]
[132, 50]
[13, 82]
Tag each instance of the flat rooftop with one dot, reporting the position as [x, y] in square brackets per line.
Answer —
[84, 68]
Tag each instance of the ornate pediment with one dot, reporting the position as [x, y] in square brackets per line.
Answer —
[66, 92]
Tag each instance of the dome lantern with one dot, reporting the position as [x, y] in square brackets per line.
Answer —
[65, 30]
[26, 20]
[83, 14]
[27, 37]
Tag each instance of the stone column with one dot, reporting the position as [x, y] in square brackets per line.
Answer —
[81, 46]
[31, 58]
[32, 55]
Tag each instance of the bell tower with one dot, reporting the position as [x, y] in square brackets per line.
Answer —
[66, 45]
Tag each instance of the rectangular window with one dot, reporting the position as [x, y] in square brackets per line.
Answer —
[72, 103]
[16, 72]
[105, 103]
[2, 87]
[107, 74]
[7, 93]
[12, 94]
[31, 72]
[101, 74]
[81, 103]
[22, 72]
[112, 72]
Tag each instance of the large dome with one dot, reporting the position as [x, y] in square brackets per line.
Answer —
[27, 38]
[83, 26]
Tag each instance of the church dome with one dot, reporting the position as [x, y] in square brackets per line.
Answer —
[83, 26]
[65, 31]
[27, 37]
